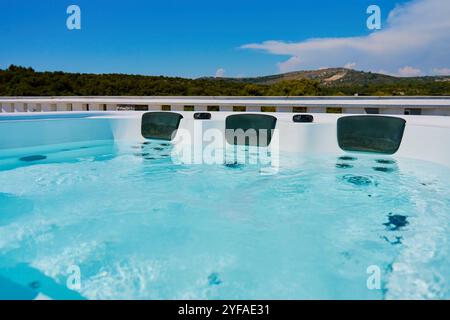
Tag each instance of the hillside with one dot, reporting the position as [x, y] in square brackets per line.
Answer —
[20, 81]
[338, 77]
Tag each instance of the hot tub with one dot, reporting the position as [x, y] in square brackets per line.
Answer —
[104, 206]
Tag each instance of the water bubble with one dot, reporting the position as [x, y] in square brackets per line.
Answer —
[213, 279]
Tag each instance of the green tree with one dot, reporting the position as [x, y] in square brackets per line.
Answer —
[303, 87]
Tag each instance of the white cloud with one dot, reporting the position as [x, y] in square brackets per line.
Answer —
[409, 71]
[220, 73]
[382, 71]
[442, 71]
[290, 64]
[416, 33]
[350, 65]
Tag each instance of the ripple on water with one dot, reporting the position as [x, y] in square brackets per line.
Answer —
[384, 169]
[396, 222]
[233, 165]
[385, 161]
[37, 157]
[343, 166]
[347, 158]
[360, 181]
[170, 224]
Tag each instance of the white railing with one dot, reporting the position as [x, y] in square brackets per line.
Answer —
[355, 105]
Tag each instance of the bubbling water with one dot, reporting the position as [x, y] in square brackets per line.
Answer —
[140, 226]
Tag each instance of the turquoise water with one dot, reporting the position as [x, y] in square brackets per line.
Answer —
[139, 226]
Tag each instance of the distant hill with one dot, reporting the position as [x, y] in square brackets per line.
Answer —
[21, 81]
[333, 77]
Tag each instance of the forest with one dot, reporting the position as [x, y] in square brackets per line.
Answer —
[22, 81]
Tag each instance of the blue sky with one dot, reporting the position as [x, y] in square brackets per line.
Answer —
[196, 38]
